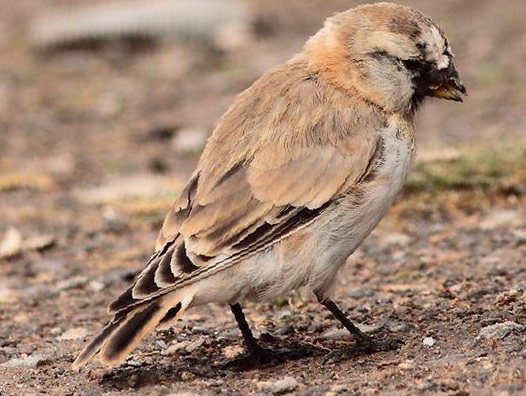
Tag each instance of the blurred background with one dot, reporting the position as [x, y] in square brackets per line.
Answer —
[105, 107]
[95, 89]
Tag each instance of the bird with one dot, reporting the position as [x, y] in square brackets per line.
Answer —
[296, 174]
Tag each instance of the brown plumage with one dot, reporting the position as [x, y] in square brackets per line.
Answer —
[297, 173]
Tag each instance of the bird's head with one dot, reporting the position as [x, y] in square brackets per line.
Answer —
[392, 55]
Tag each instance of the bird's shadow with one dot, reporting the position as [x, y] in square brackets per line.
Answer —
[209, 363]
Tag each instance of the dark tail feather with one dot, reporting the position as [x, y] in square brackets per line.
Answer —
[128, 328]
[95, 345]
[128, 334]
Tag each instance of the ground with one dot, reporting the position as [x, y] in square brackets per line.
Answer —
[96, 143]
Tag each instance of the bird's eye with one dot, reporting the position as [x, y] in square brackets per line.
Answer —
[412, 64]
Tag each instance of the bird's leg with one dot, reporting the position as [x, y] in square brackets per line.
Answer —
[364, 341]
[257, 354]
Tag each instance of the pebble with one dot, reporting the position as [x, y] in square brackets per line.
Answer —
[339, 334]
[508, 297]
[232, 351]
[29, 362]
[11, 244]
[399, 327]
[161, 344]
[96, 286]
[397, 239]
[7, 295]
[56, 331]
[369, 328]
[429, 341]
[177, 348]
[335, 334]
[200, 330]
[520, 235]
[407, 365]
[134, 363]
[284, 330]
[501, 218]
[498, 331]
[187, 376]
[73, 334]
[72, 283]
[189, 140]
[280, 387]
[195, 345]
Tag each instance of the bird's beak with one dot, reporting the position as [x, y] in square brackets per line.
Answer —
[447, 85]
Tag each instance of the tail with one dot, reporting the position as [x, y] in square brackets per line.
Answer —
[116, 341]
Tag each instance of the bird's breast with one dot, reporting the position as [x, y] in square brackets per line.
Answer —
[358, 212]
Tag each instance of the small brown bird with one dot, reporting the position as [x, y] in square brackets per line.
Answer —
[297, 173]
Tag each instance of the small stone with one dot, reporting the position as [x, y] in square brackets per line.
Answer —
[232, 351]
[56, 331]
[508, 297]
[39, 243]
[520, 235]
[11, 245]
[195, 345]
[369, 328]
[29, 362]
[335, 334]
[397, 239]
[189, 140]
[134, 363]
[14, 244]
[178, 348]
[498, 331]
[429, 341]
[284, 330]
[72, 283]
[161, 344]
[407, 365]
[200, 330]
[133, 380]
[186, 376]
[340, 334]
[285, 314]
[338, 389]
[73, 334]
[96, 286]
[7, 296]
[501, 218]
[399, 327]
[280, 387]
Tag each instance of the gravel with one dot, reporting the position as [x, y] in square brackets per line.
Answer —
[499, 331]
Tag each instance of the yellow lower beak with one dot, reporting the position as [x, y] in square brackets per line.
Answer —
[451, 90]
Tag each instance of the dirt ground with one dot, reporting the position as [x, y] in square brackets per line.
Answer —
[96, 143]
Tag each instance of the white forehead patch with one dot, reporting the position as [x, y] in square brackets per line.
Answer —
[436, 47]
[443, 62]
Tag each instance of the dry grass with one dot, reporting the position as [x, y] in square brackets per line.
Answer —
[497, 168]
